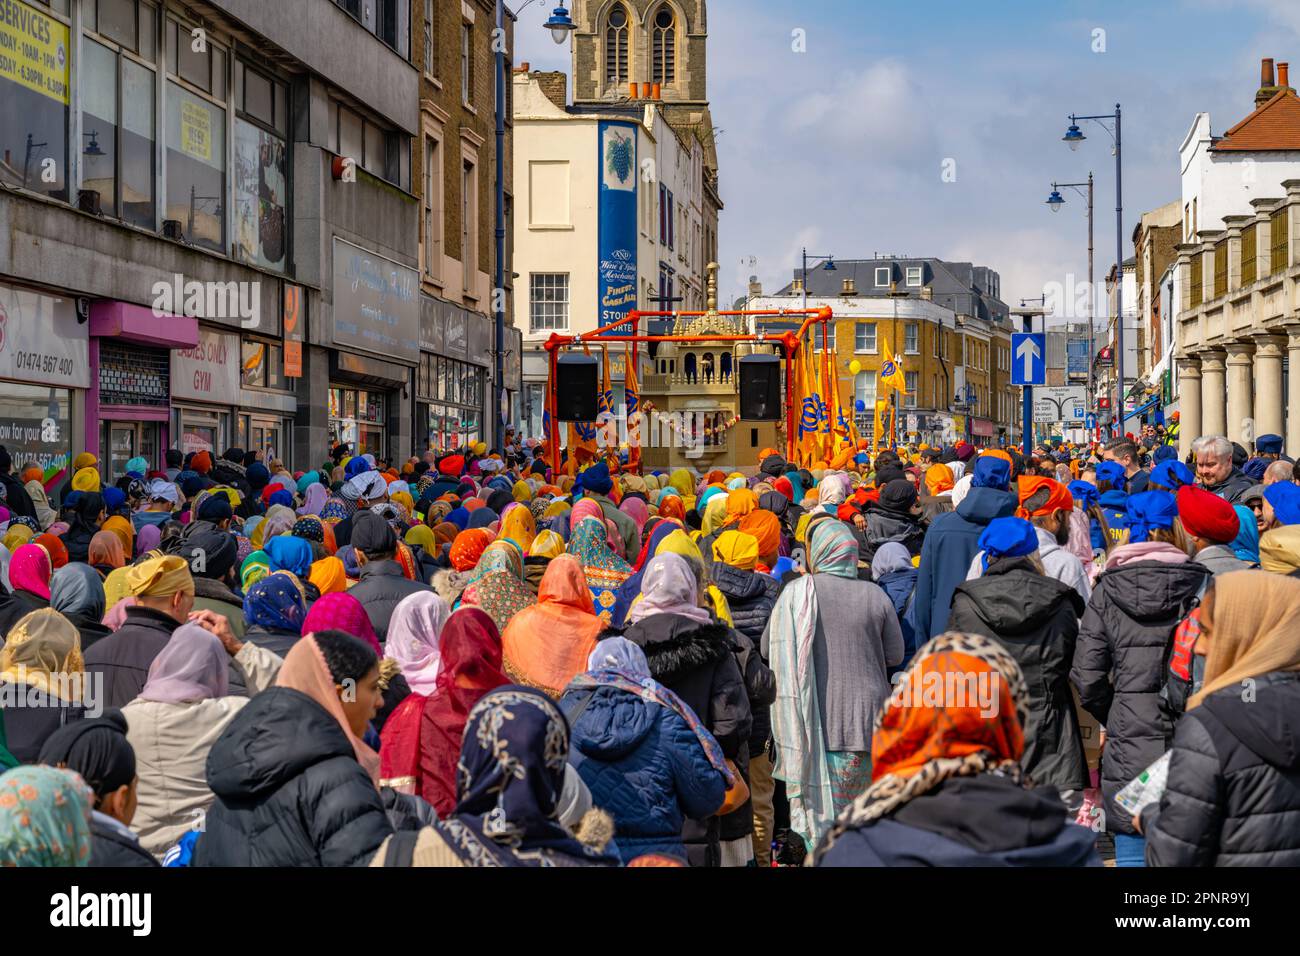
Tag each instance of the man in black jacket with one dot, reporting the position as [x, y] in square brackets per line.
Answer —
[164, 592]
[1215, 469]
[17, 500]
[382, 583]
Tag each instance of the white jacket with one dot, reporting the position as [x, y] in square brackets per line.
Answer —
[1057, 563]
[171, 744]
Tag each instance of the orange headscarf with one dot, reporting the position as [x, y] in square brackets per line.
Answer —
[444, 533]
[547, 645]
[122, 528]
[54, 547]
[739, 503]
[765, 528]
[329, 575]
[468, 548]
[938, 479]
[672, 507]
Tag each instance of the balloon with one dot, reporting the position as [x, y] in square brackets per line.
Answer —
[859, 405]
[855, 366]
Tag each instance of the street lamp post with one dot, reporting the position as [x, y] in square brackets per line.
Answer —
[1073, 138]
[829, 267]
[560, 26]
[1054, 202]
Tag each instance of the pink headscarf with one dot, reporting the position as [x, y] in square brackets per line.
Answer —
[340, 611]
[669, 587]
[413, 633]
[192, 666]
[314, 499]
[116, 615]
[585, 508]
[29, 570]
[637, 510]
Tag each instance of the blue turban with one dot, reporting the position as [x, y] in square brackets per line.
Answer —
[215, 508]
[861, 458]
[1148, 510]
[1164, 453]
[287, 553]
[459, 517]
[1269, 444]
[1284, 496]
[1085, 493]
[991, 471]
[1172, 474]
[258, 476]
[1255, 468]
[596, 479]
[355, 467]
[307, 480]
[71, 499]
[1008, 538]
[114, 498]
[1113, 472]
[281, 497]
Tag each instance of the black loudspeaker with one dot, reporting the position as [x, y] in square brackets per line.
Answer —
[760, 388]
[575, 387]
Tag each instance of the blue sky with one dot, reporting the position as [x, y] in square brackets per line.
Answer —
[841, 148]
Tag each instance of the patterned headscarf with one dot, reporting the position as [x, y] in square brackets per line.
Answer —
[468, 548]
[833, 550]
[43, 650]
[44, 818]
[603, 569]
[916, 745]
[276, 603]
[413, 631]
[333, 511]
[255, 567]
[511, 774]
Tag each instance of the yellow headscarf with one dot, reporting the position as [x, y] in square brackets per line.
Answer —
[521, 491]
[115, 586]
[715, 515]
[125, 532]
[404, 499]
[160, 577]
[17, 536]
[548, 544]
[422, 535]
[737, 549]
[42, 644]
[329, 575]
[519, 527]
[87, 479]
[555, 508]
[84, 460]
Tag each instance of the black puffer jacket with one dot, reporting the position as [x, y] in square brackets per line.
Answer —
[1036, 618]
[1119, 665]
[109, 846]
[289, 790]
[381, 588]
[751, 597]
[698, 663]
[1233, 794]
[885, 525]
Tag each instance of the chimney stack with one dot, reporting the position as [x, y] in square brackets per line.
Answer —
[1268, 87]
[755, 287]
[797, 286]
[1283, 76]
[849, 287]
[632, 89]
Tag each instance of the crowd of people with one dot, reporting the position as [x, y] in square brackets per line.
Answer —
[930, 656]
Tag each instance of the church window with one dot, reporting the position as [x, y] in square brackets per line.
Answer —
[665, 46]
[616, 70]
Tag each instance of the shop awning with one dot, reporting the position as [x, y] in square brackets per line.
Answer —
[136, 323]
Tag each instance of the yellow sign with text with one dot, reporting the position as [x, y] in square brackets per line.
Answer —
[196, 130]
[33, 50]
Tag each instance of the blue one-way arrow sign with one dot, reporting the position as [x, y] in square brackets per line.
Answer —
[1028, 358]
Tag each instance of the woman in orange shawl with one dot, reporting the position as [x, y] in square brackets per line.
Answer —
[547, 644]
[933, 752]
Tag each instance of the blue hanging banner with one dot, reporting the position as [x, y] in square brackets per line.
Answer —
[616, 243]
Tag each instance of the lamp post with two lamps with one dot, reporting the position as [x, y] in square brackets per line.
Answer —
[1054, 202]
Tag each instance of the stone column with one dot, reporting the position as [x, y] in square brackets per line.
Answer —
[1268, 385]
[1293, 403]
[1240, 411]
[1214, 410]
[1189, 404]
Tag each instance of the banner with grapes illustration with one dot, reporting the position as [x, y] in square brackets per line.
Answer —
[617, 223]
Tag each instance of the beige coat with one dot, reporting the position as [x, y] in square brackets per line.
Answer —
[171, 744]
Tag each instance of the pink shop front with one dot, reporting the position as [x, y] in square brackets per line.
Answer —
[130, 394]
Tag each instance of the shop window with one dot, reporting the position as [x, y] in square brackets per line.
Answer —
[383, 153]
[34, 125]
[39, 429]
[133, 375]
[261, 169]
[117, 154]
[262, 364]
[196, 167]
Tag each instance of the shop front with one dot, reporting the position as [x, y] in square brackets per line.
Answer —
[131, 379]
[44, 372]
[452, 381]
[376, 336]
[204, 386]
[982, 432]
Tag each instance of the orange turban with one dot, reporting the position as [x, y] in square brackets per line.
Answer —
[938, 479]
[468, 548]
[765, 528]
[1058, 496]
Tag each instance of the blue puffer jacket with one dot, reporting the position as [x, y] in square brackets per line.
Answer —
[644, 766]
[901, 586]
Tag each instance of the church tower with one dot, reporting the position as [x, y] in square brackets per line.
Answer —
[618, 42]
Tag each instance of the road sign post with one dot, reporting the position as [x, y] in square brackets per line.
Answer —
[1028, 368]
